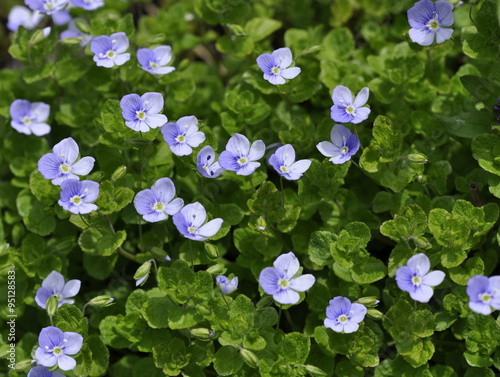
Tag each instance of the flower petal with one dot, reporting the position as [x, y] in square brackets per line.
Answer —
[340, 135]
[71, 288]
[144, 200]
[257, 150]
[290, 73]
[73, 342]
[48, 165]
[164, 189]
[195, 214]
[362, 97]
[40, 129]
[286, 297]
[285, 155]
[120, 42]
[300, 166]
[144, 56]
[338, 113]
[327, 149]
[211, 228]
[404, 277]
[248, 168]
[174, 206]
[238, 145]
[266, 62]
[268, 280]
[419, 264]
[350, 327]
[433, 278]
[54, 282]
[41, 297]
[153, 102]
[40, 112]
[480, 307]
[228, 160]
[91, 190]
[443, 34]
[274, 79]
[444, 10]
[360, 114]
[101, 45]
[130, 104]
[342, 96]
[47, 359]
[477, 285]
[154, 216]
[424, 37]
[283, 57]
[333, 324]
[287, 264]
[66, 362]
[302, 283]
[51, 337]
[84, 166]
[163, 54]
[156, 120]
[421, 13]
[121, 59]
[357, 312]
[194, 140]
[422, 293]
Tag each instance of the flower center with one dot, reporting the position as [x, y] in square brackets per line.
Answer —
[57, 351]
[26, 120]
[284, 169]
[485, 297]
[416, 280]
[88, 1]
[141, 115]
[242, 161]
[275, 70]
[48, 6]
[153, 64]
[76, 200]
[344, 150]
[64, 168]
[180, 139]
[283, 283]
[110, 54]
[434, 23]
[192, 230]
[350, 109]
[158, 206]
[342, 318]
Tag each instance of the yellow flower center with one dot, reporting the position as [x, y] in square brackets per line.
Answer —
[111, 54]
[275, 70]
[76, 200]
[416, 280]
[350, 109]
[180, 139]
[342, 318]
[64, 168]
[141, 115]
[484, 297]
[242, 161]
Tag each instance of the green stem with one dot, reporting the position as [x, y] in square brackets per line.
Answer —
[120, 249]
[282, 192]
[279, 317]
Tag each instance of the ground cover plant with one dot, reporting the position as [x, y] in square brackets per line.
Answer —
[249, 188]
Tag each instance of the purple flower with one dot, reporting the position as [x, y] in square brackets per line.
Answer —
[22, 16]
[342, 316]
[77, 196]
[426, 19]
[183, 135]
[61, 17]
[346, 108]
[283, 161]
[60, 165]
[41, 371]
[46, 6]
[54, 286]
[344, 145]
[29, 118]
[189, 222]
[226, 285]
[240, 157]
[141, 113]
[275, 66]
[416, 279]
[279, 280]
[110, 51]
[88, 4]
[155, 60]
[157, 203]
[206, 164]
[73, 32]
[484, 293]
[55, 346]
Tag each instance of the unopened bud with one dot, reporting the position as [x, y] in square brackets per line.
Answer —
[249, 357]
[102, 301]
[120, 172]
[71, 41]
[23, 365]
[417, 157]
[314, 371]
[217, 269]
[211, 250]
[82, 25]
[374, 313]
[202, 333]
[261, 224]
[52, 305]
[142, 273]
[368, 301]
[38, 36]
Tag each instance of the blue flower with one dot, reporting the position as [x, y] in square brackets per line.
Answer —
[61, 18]
[346, 108]
[29, 118]
[484, 293]
[283, 161]
[426, 20]
[240, 157]
[155, 60]
[416, 279]
[60, 165]
[344, 145]
[22, 16]
[88, 4]
[55, 346]
[279, 280]
[275, 66]
[157, 203]
[141, 113]
[226, 285]
[53, 286]
[342, 316]
[41, 371]
[110, 51]
[183, 135]
[46, 6]
[189, 222]
[206, 164]
[77, 196]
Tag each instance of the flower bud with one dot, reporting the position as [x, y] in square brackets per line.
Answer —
[249, 358]
[83, 26]
[23, 365]
[102, 301]
[202, 333]
[120, 172]
[261, 224]
[374, 313]
[417, 157]
[211, 250]
[52, 305]
[368, 301]
[314, 371]
[217, 269]
[142, 273]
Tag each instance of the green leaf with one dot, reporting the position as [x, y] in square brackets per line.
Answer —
[178, 281]
[227, 361]
[485, 148]
[319, 247]
[70, 318]
[338, 44]
[294, 348]
[102, 242]
[461, 274]
[267, 201]
[171, 356]
[468, 125]
[156, 311]
[100, 356]
[483, 89]
[409, 222]
[478, 46]
[259, 28]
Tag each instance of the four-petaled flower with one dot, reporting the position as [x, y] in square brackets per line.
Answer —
[226, 285]
[240, 157]
[53, 286]
[484, 293]
[88, 4]
[46, 6]
[416, 279]
[29, 118]
[22, 16]
[60, 165]
[189, 222]
[283, 161]
[344, 145]
[141, 113]
[157, 203]
[206, 164]
[342, 316]
[426, 19]
[279, 280]
[275, 66]
[346, 108]
[77, 196]
[55, 346]
[110, 50]
[155, 60]
[183, 135]
[41, 371]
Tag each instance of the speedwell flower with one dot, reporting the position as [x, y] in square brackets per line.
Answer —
[226, 285]
[53, 286]
[275, 66]
[206, 164]
[41, 371]
[155, 60]
[46, 6]
[416, 279]
[110, 50]
[426, 19]
[344, 145]
[183, 135]
[342, 316]
[55, 346]
[157, 203]
[189, 222]
[484, 293]
[346, 108]
[283, 161]
[29, 118]
[141, 113]
[60, 165]
[88, 4]
[22, 16]
[279, 280]
[77, 196]
[240, 157]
